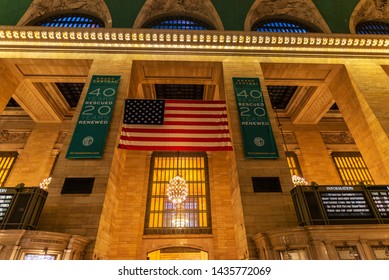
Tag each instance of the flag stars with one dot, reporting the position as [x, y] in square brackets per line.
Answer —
[144, 111]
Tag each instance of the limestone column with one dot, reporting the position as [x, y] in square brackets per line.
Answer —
[319, 249]
[35, 161]
[81, 214]
[361, 91]
[257, 207]
[315, 162]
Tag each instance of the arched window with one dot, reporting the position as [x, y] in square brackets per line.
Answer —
[192, 215]
[71, 20]
[183, 23]
[372, 27]
[282, 25]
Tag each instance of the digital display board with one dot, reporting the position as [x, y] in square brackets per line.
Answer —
[345, 204]
[325, 205]
[6, 196]
[380, 196]
[21, 208]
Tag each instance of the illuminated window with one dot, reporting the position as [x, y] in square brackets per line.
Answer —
[39, 257]
[193, 215]
[372, 27]
[7, 160]
[282, 25]
[293, 164]
[347, 253]
[182, 23]
[381, 252]
[71, 21]
[297, 254]
[352, 168]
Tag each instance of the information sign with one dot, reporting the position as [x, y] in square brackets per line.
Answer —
[322, 205]
[345, 204]
[6, 196]
[380, 196]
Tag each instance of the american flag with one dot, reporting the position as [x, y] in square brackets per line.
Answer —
[175, 125]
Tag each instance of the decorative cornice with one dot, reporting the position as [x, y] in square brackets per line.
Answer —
[150, 40]
[343, 137]
[7, 136]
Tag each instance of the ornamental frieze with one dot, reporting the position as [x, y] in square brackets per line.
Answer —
[343, 137]
[7, 136]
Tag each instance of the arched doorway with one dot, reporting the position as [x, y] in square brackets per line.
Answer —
[178, 253]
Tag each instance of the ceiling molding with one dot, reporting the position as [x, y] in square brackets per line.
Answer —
[148, 40]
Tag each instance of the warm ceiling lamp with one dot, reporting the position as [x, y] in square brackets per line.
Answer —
[177, 190]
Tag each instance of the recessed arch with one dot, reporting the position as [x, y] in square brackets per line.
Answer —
[75, 20]
[178, 253]
[369, 11]
[178, 22]
[303, 11]
[202, 10]
[372, 27]
[40, 9]
[281, 24]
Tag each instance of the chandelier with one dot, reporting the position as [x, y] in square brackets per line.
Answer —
[177, 190]
[179, 217]
[45, 183]
[299, 181]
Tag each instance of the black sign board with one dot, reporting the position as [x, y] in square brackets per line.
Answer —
[6, 197]
[345, 204]
[380, 197]
[21, 208]
[341, 204]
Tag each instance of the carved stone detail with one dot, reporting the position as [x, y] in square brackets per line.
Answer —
[7, 136]
[289, 138]
[61, 137]
[304, 10]
[39, 8]
[369, 10]
[201, 9]
[343, 137]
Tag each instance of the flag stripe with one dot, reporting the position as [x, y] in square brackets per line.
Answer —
[175, 139]
[186, 125]
[174, 148]
[189, 136]
[178, 131]
[199, 102]
[172, 144]
[197, 116]
[193, 108]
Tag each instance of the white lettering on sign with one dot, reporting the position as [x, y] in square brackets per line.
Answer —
[339, 188]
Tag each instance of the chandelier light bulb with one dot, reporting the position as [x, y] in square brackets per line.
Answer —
[177, 190]
[45, 183]
[299, 181]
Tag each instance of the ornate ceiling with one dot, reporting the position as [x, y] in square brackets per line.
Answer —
[338, 15]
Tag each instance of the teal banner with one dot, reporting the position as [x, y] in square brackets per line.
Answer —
[92, 127]
[257, 134]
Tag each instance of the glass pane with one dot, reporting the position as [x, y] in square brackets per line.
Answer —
[352, 168]
[7, 160]
[169, 216]
[70, 21]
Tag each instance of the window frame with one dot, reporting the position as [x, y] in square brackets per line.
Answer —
[176, 23]
[372, 27]
[200, 217]
[295, 26]
[352, 175]
[55, 20]
[293, 164]
[5, 172]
